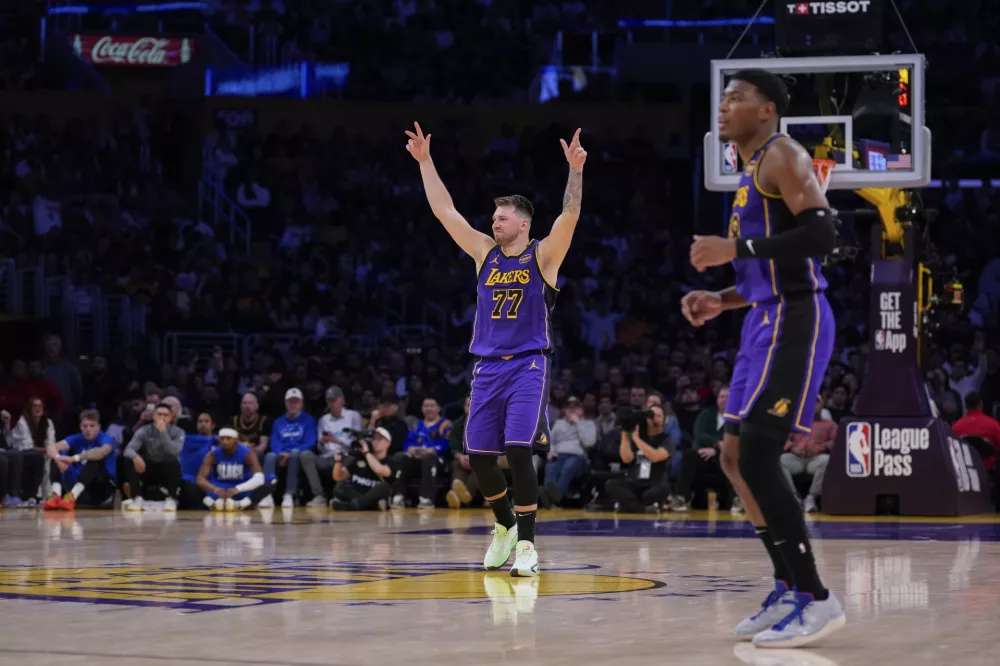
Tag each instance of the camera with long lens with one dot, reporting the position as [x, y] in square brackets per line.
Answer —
[631, 418]
[358, 437]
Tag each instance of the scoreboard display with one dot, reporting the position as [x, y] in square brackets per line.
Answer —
[831, 26]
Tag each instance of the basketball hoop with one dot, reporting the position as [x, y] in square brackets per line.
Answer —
[824, 171]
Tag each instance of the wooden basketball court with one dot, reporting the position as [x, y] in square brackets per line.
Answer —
[313, 587]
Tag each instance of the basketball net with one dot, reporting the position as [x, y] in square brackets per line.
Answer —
[824, 170]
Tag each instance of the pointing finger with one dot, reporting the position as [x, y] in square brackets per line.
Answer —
[576, 135]
[420, 132]
[562, 143]
[410, 134]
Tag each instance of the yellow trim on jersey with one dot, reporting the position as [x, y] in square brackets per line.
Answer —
[486, 260]
[770, 262]
[767, 362]
[542, 275]
[812, 348]
[515, 256]
[727, 415]
[472, 387]
[541, 403]
[763, 151]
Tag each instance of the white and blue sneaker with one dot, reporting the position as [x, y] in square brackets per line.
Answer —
[771, 612]
[499, 550]
[809, 621]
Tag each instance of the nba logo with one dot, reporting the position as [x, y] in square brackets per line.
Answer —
[879, 340]
[859, 449]
[729, 158]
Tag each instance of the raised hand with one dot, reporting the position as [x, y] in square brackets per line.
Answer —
[700, 306]
[419, 146]
[575, 154]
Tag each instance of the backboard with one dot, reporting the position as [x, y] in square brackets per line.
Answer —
[864, 112]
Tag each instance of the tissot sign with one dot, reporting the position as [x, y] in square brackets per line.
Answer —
[832, 26]
[133, 51]
[840, 7]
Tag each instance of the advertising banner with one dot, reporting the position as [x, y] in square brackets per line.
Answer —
[133, 51]
[841, 26]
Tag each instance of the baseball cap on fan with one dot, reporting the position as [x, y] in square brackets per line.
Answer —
[384, 433]
[293, 394]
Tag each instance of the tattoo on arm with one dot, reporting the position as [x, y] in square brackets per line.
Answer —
[573, 195]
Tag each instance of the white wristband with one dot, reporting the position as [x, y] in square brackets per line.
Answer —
[77, 458]
[254, 482]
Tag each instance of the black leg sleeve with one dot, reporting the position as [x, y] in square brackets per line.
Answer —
[525, 477]
[760, 466]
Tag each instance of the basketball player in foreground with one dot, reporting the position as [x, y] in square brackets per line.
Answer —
[512, 341]
[780, 225]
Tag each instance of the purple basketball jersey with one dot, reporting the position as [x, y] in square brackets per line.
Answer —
[514, 306]
[760, 213]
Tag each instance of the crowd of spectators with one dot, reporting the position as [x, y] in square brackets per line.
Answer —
[329, 210]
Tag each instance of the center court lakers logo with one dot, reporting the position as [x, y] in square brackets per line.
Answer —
[227, 586]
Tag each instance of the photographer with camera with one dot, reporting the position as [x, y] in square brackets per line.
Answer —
[645, 456]
[363, 477]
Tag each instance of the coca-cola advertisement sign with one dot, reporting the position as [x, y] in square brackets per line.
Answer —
[132, 51]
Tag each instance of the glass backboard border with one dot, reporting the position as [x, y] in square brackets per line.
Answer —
[846, 121]
[843, 179]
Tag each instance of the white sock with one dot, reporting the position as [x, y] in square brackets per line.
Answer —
[57, 489]
[245, 502]
[78, 490]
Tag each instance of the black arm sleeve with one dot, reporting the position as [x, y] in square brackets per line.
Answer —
[813, 236]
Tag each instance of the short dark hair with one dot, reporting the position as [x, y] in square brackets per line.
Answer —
[90, 415]
[973, 400]
[520, 204]
[769, 84]
[164, 405]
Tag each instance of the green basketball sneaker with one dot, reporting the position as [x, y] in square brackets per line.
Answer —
[499, 552]
[526, 562]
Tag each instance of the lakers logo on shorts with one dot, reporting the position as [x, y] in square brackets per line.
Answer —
[543, 440]
[780, 408]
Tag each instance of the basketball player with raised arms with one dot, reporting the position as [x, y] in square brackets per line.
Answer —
[781, 224]
[512, 343]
